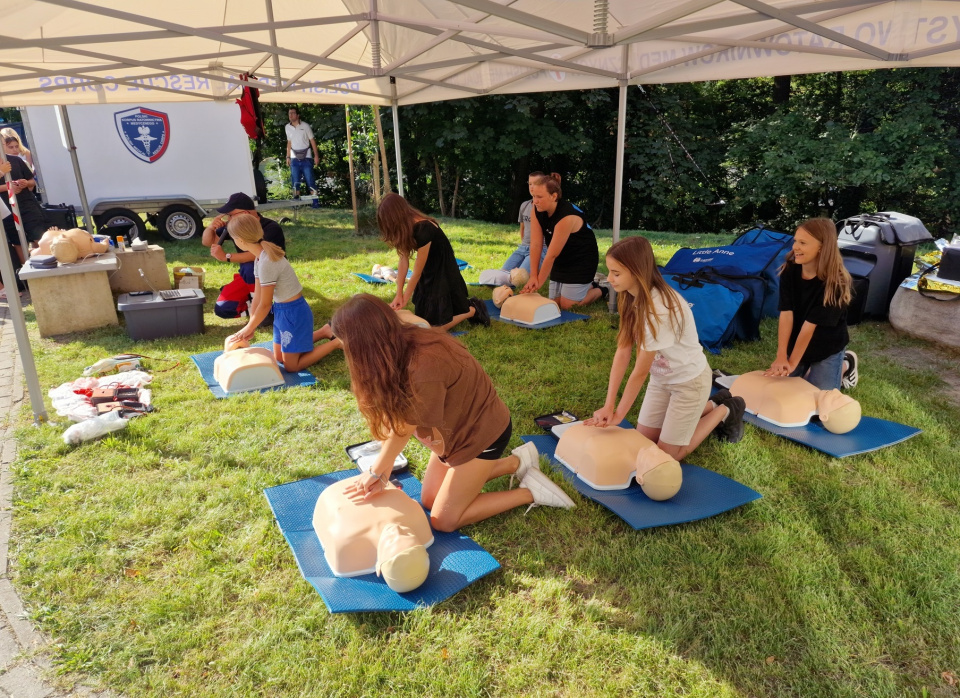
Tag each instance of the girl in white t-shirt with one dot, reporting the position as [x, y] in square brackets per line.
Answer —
[676, 413]
[278, 288]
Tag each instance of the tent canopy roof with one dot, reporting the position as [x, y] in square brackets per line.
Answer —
[411, 51]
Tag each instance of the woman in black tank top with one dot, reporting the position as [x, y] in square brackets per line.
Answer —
[572, 252]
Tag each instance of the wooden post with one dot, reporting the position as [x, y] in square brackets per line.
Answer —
[383, 150]
[353, 185]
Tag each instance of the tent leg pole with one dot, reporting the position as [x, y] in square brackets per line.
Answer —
[396, 133]
[72, 147]
[618, 184]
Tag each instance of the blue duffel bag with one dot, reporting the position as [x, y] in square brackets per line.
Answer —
[718, 306]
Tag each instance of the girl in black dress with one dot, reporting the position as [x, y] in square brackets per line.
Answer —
[437, 289]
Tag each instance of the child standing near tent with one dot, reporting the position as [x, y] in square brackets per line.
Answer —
[277, 288]
[815, 292]
[436, 287]
[676, 413]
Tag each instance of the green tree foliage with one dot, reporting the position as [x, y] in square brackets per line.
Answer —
[842, 144]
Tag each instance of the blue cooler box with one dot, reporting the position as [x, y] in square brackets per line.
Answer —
[151, 317]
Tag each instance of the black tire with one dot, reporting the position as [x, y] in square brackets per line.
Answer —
[123, 214]
[178, 222]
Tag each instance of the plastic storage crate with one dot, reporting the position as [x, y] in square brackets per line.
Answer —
[151, 317]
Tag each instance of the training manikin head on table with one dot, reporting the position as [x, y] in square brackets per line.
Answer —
[388, 534]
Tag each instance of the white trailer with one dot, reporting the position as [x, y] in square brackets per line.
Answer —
[172, 162]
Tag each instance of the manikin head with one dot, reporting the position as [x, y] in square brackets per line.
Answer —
[658, 475]
[401, 560]
[519, 277]
[500, 294]
[839, 413]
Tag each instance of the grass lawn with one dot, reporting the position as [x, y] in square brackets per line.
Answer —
[152, 558]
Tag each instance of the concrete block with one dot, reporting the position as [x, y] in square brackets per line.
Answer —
[55, 302]
[23, 681]
[9, 647]
[12, 607]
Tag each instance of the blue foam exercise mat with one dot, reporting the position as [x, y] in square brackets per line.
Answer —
[205, 361]
[565, 316]
[871, 434]
[703, 494]
[374, 280]
[456, 560]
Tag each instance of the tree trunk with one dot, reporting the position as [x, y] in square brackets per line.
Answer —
[456, 190]
[383, 150]
[353, 185]
[781, 89]
[443, 206]
[375, 167]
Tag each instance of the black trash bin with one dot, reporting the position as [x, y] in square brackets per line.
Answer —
[880, 248]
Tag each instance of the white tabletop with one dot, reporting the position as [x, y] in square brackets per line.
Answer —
[104, 262]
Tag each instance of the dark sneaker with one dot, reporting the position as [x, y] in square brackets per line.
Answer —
[480, 315]
[731, 428]
[721, 396]
[604, 291]
[850, 377]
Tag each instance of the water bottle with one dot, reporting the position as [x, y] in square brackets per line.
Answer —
[612, 300]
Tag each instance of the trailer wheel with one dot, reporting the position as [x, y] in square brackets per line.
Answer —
[178, 222]
[122, 215]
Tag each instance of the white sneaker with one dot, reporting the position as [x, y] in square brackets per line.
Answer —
[529, 458]
[546, 493]
[850, 377]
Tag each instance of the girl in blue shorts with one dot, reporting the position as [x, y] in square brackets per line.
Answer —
[277, 286]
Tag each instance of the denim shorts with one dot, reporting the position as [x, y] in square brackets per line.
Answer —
[825, 374]
[293, 326]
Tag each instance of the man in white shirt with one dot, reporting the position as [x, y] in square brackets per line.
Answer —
[300, 143]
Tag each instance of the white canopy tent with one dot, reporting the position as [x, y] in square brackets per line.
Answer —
[397, 52]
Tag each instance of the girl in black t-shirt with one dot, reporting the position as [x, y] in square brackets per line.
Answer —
[815, 292]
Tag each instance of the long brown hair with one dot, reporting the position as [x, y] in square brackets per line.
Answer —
[837, 284]
[395, 218]
[379, 349]
[638, 312]
[246, 227]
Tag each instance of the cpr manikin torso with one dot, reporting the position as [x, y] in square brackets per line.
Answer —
[608, 458]
[241, 368]
[383, 534]
[69, 245]
[791, 402]
[529, 309]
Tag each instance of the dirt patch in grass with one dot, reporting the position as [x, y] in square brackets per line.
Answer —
[944, 361]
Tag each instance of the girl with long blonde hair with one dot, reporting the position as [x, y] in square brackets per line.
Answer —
[676, 413]
[277, 288]
[815, 293]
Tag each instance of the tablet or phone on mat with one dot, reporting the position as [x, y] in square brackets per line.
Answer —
[548, 421]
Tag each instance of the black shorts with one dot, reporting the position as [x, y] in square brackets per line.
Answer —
[496, 449]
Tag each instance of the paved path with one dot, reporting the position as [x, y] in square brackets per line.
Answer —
[25, 668]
